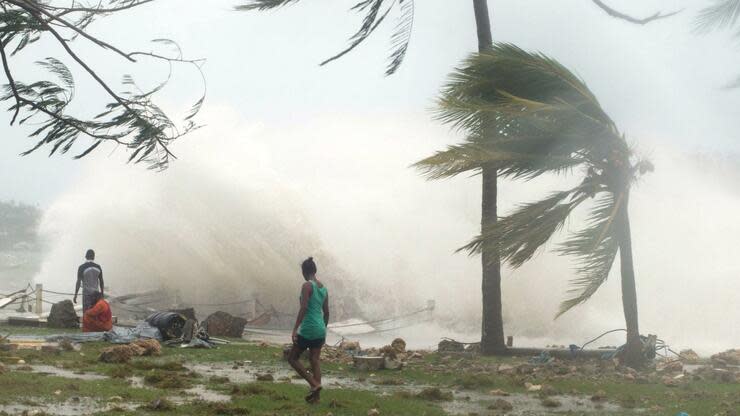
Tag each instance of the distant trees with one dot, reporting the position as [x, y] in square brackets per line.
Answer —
[130, 119]
[526, 115]
[18, 224]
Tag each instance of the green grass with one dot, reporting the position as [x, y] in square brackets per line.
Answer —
[165, 376]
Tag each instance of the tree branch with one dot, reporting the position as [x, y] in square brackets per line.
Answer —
[52, 17]
[68, 10]
[616, 14]
[11, 82]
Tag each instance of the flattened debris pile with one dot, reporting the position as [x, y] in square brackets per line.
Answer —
[63, 315]
[390, 357]
[222, 324]
[729, 357]
[124, 353]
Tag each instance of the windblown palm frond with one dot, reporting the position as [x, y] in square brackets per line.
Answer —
[721, 14]
[525, 114]
[519, 236]
[512, 157]
[401, 36]
[595, 248]
[376, 12]
[262, 5]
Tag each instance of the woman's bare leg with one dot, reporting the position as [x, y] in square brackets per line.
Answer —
[315, 359]
[294, 359]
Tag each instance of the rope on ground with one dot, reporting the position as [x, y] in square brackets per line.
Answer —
[57, 293]
[602, 335]
[463, 343]
[395, 318]
[241, 302]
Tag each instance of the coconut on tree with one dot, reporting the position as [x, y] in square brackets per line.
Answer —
[524, 114]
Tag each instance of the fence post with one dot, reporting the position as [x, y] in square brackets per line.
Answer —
[39, 294]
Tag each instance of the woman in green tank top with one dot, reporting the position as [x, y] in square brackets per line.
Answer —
[309, 331]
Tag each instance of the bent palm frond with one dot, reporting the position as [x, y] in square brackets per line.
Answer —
[595, 248]
[721, 14]
[519, 236]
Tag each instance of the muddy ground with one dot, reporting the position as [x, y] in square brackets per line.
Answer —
[250, 378]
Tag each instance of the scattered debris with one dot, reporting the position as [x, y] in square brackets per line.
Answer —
[450, 345]
[434, 394]
[501, 405]
[689, 356]
[373, 412]
[670, 366]
[222, 324]
[369, 363]
[63, 315]
[352, 346]
[599, 396]
[123, 353]
[532, 387]
[399, 345]
[187, 313]
[170, 324]
[498, 392]
[392, 364]
[150, 346]
[550, 402]
[160, 405]
[729, 357]
[265, 377]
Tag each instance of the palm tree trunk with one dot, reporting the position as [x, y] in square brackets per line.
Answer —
[632, 355]
[492, 327]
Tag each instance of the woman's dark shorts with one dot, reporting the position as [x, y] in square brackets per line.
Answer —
[304, 343]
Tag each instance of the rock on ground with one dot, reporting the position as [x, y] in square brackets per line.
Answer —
[63, 315]
[222, 324]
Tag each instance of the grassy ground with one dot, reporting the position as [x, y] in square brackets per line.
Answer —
[167, 377]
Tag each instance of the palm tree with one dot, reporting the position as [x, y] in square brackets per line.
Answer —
[375, 12]
[526, 115]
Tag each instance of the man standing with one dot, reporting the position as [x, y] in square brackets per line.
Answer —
[90, 276]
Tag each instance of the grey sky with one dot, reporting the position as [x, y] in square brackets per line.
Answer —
[659, 82]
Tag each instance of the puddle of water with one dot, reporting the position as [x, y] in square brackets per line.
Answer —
[136, 382]
[61, 372]
[200, 392]
[71, 407]
[529, 405]
[465, 402]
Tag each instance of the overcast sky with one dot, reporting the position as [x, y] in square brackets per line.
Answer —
[660, 82]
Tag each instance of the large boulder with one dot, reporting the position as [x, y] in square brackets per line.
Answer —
[222, 324]
[63, 315]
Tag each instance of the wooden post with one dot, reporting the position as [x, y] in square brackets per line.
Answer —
[39, 294]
